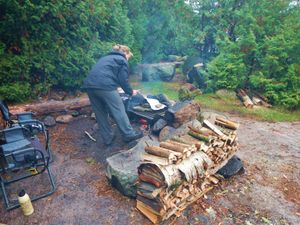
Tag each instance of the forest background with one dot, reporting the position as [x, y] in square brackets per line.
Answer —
[52, 44]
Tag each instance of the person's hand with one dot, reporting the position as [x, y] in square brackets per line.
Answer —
[135, 92]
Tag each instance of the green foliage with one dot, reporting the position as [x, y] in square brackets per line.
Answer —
[230, 103]
[53, 43]
[222, 101]
[185, 94]
[17, 92]
[257, 47]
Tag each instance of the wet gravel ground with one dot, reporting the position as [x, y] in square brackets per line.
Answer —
[268, 192]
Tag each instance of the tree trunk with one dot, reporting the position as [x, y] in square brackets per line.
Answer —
[47, 107]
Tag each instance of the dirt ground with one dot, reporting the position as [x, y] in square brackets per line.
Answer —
[268, 192]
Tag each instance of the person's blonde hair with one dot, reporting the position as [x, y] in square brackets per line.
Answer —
[123, 48]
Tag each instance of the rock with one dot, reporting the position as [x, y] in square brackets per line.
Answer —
[193, 68]
[166, 133]
[176, 58]
[158, 71]
[49, 121]
[122, 168]
[159, 125]
[224, 93]
[182, 112]
[64, 118]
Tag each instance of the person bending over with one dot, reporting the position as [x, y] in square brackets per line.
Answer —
[109, 73]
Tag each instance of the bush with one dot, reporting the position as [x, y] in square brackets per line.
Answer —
[17, 92]
[46, 44]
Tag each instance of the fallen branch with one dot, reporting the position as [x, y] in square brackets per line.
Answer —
[90, 136]
[47, 107]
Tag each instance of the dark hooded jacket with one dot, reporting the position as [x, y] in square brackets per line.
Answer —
[109, 73]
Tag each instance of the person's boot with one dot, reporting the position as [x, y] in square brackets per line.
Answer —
[110, 142]
[136, 135]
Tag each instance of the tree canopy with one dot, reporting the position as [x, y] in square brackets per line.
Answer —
[52, 44]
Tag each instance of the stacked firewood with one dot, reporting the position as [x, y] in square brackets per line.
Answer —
[255, 99]
[181, 170]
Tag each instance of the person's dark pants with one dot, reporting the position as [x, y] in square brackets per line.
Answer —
[104, 102]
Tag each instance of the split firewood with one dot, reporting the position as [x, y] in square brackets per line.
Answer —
[227, 123]
[207, 132]
[262, 102]
[194, 129]
[213, 128]
[218, 143]
[257, 101]
[163, 152]
[213, 179]
[178, 143]
[245, 98]
[179, 140]
[188, 149]
[173, 147]
[191, 175]
[198, 136]
[260, 96]
[205, 135]
[154, 159]
[247, 101]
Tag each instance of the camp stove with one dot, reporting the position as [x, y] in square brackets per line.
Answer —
[150, 116]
